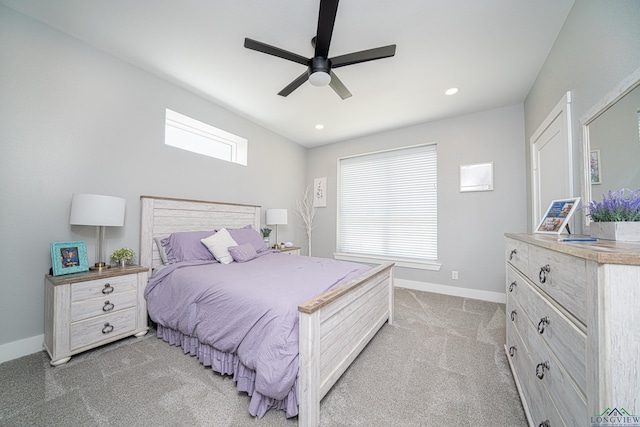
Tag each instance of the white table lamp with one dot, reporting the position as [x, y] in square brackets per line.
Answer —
[99, 211]
[276, 217]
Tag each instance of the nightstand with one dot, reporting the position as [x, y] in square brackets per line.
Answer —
[89, 309]
[293, 250]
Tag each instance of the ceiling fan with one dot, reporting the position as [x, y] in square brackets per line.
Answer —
[320, 67]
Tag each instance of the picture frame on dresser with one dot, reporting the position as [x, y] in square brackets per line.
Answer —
[558, 214]
[68, 257]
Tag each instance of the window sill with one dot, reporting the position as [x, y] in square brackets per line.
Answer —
[400, 262]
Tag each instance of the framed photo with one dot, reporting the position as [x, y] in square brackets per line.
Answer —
[476, 177]
[68, 257]
[594, 167]
[558, 215]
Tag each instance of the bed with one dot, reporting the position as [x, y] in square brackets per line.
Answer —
[333, 327]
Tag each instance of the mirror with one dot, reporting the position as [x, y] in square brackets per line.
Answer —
[611, 142]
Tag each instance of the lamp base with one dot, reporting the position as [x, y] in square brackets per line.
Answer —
[100, 266]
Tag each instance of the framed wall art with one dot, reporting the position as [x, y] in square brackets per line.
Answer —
[320, 192]
[68, 257]
[476, 177]
[558, 215]
[594, 166]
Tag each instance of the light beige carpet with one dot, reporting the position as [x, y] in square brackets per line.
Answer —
[441, 363]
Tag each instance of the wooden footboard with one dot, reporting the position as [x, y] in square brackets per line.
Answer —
[334, 328]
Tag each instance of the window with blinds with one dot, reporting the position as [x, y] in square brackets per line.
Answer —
[387, 205]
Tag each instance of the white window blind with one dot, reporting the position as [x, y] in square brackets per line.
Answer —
[388, 204]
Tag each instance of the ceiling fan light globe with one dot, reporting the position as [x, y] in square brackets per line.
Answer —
[319, 78]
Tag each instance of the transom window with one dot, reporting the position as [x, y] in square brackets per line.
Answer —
[193, 135]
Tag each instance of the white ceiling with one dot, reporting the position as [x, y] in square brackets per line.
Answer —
[491, 49]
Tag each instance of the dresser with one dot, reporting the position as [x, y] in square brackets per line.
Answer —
[573, 313]
[89, 309]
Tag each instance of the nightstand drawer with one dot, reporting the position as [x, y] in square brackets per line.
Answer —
[85, 309]
[102, 328]
[103, 287]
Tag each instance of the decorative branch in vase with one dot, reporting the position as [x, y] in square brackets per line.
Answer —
[306, 211]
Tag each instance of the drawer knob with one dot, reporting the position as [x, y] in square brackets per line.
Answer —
[512, 285]
[107, 289]
[108, 306]
[543, 273]
[540, 368]
[513, 252]
[512, 351]
[542, 323]
[513, 315]
[545, 423]
[107, 328]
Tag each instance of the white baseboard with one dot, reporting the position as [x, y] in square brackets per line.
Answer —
[16, 349]
[452, 290]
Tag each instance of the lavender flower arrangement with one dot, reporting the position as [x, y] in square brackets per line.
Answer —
[616, 206]
[265, 231]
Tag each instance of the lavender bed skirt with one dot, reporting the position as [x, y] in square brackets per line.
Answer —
[229, 364]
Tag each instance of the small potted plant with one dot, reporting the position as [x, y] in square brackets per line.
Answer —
[617, 217]
[123, 255]
[266, 231]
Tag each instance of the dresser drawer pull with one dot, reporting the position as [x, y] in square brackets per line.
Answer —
[512, 285]
[513, 315]
[108, 306]
[513, 252]
[540, 369]
[512, 351]
[543, 273]
[107, 328]
[107, 289]
[541, 324]
[545, 423]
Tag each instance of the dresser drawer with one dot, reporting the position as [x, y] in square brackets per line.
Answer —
[564, 393]
[517, 254]
[517, 319]
[102, 328]
[518, 355]
[84, 309]
[103, 287]
[517, 286]
[563, 337]
[563, 277]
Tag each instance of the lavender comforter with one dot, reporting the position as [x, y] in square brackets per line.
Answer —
[242, 318]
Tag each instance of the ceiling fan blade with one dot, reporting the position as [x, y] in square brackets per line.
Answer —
[326, 19]
[275, 51]
[294, 84]
[339, 87]
[363, 56]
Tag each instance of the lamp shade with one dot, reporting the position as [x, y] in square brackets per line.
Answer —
[276, 216]
[92, 209]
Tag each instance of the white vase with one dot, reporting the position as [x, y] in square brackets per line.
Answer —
[123, 263]
[621, 231]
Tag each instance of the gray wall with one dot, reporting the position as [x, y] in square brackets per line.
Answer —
[73, 120]
[598, 46]
[471, 226]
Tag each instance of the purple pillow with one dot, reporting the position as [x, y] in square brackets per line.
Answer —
[185, 246]
[243, 253]
[248, 235]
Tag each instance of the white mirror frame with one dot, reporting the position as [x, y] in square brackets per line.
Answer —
[622, 89]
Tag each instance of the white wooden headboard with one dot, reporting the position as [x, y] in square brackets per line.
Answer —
[161, 216]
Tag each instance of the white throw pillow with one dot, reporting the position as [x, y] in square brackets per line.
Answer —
[219, 244]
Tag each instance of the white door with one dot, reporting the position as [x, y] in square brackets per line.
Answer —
[551, 163]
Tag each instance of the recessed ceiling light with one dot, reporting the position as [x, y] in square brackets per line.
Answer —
[451, 91]
[319, 127]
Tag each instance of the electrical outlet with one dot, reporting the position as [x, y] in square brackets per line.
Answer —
[454, 275]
